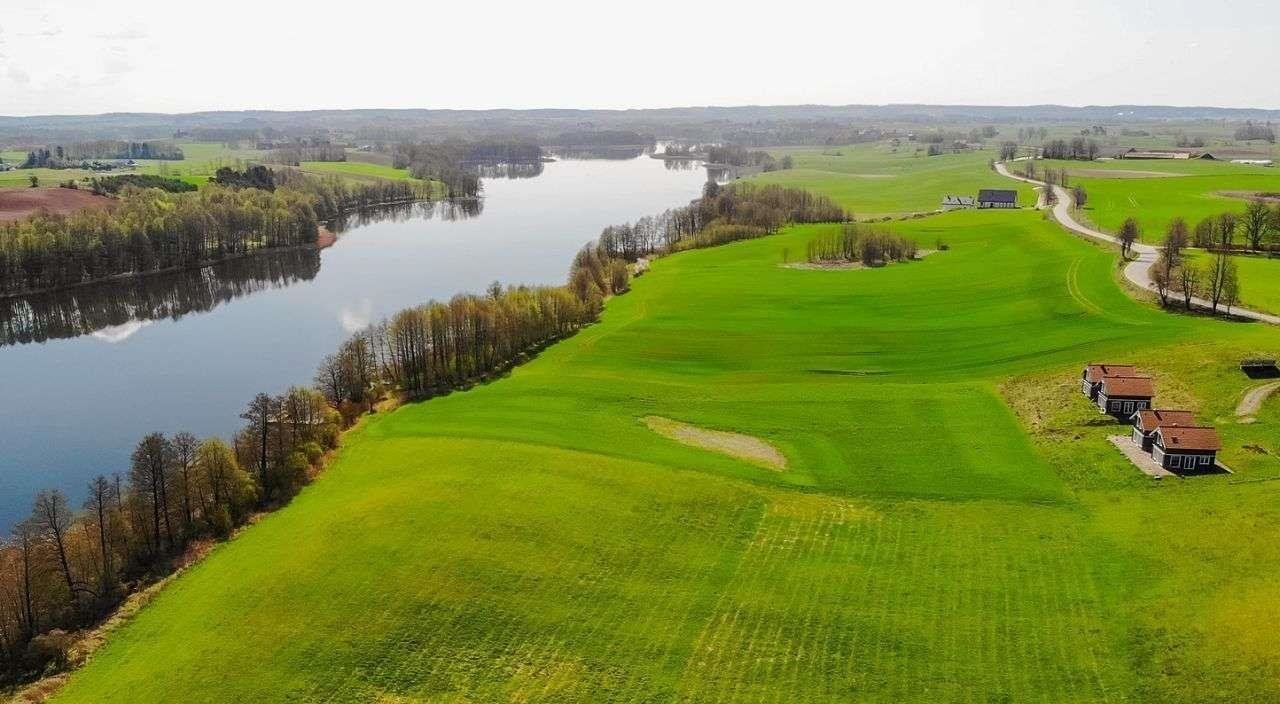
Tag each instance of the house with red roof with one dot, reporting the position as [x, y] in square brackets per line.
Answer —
[1147, 421]
[1122, 396]
[1186, 448]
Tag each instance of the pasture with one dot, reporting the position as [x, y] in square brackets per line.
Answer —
[1259, 279]
[951, 525]
[875, 180]
[1189, 189]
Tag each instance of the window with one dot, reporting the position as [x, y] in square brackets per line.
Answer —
[1204, 459]
[1175, 461]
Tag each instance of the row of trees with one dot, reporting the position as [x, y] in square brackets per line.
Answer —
[1077, 148]
[61, 157]
[63, 569]
[856, 242]
[295, 155]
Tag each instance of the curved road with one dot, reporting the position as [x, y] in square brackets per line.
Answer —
[1138, 270]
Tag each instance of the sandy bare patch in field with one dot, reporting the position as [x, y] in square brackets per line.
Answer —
[1122, 173]
[743, 447]
[18, 203]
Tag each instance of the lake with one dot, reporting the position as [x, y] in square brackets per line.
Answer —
[87, 372]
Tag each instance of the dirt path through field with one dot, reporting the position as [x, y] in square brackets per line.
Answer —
[743, 447]
[1253, 398]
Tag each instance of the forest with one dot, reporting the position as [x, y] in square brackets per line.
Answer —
[150, 229]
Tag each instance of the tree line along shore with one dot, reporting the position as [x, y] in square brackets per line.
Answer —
[64, 569]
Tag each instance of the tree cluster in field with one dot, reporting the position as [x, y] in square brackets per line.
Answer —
[112, 185]
[257, 176]
[1216, 279]
[444, 163]
[1174, 276]
[1250, 131]
[62, 157]
[295, 155]
[65, 569]
[149, 229]
[857, 242]
[1077, 148]
[721, 215]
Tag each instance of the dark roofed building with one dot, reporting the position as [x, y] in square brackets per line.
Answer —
[1091, 377]
[1186, 448]
[997, 198]
[1122, 396]
[1147, 421]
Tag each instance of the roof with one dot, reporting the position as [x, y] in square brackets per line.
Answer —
[1128, 386]
[958, 200]
[1149, 420]
[995, 195]
[1193, 438]
[1095, 372]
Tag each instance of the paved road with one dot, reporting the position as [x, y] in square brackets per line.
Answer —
[1138, 270]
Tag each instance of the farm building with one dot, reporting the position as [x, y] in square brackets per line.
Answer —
[956, 202]
[1186, 448]
[1091, 378]
[1122, 396]
[1260, 368]
[1160, 154]
[997, 198]
[1147, 421]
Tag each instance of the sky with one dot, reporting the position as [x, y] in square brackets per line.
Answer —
[89, 56]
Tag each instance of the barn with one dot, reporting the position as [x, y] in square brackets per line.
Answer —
[1122, 396]
[1186, 448]
[1147, 421]
[956, 202]
[1091, 377]
[997, 198]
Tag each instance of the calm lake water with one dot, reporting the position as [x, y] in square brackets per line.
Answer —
[87, 373]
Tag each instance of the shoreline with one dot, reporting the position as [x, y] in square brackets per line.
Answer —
[325, 238]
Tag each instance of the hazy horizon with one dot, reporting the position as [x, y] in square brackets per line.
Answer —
[71, 57]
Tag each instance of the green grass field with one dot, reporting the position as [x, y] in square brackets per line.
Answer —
[873, 180]
[360, 171]
[1259, 280]
[1189, 189]
[952, 526]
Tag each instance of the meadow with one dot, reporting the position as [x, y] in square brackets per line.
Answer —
[952, 525]
[879, 179]
[1259, 279]
[1156, 191]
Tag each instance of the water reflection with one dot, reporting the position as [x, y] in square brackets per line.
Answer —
[510, 169]
[603, 152]
[113, 311]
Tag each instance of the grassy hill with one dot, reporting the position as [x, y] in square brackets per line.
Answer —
[952, 524]
[880, 179]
